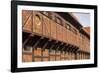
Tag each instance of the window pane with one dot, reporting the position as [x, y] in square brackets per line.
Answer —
[37, 52]
[45, 52]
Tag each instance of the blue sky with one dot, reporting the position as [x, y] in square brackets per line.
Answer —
[83, 18]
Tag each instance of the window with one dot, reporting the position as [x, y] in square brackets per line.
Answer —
[58, 20]
[27, 53]
[58, 55]
[74, 30]
[52, 55]
[81, 35]
[45, 55]
[45, 13]
[68, 27]
[46, 52]
[64, 24]
[37, 52]
[27, 49]
[52, 51]
[52, 16]
[38, 19]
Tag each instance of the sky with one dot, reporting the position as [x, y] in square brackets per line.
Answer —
[83, 18]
